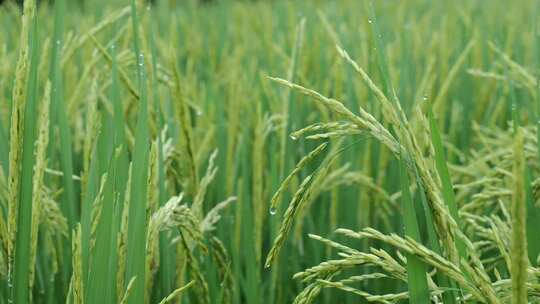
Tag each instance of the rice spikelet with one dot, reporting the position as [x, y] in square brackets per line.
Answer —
[38, 192]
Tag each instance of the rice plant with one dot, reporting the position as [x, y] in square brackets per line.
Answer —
[269, 151]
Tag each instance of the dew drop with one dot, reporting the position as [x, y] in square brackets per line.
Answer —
[141, 59]
[293, 137]
[273, 210]
[424, 98]
[58, 42]
[113, 46]
[370, 21]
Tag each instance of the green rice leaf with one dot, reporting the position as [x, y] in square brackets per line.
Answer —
[137, 217]
[21, 264]
[416, 270]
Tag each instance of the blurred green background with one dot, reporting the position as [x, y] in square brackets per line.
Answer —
[225, 50]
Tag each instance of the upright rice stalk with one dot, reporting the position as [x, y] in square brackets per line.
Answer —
[519, 259]
[22, 218]
[17, 129]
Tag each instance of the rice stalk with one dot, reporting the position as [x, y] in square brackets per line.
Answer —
[19, 96]
[225, 273]
[519, 239]
[438, 104]
[23, 125]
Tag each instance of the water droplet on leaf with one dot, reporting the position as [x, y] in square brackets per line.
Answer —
[273, 210]
[141, 59]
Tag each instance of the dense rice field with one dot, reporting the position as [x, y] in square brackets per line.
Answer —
[270, 152]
